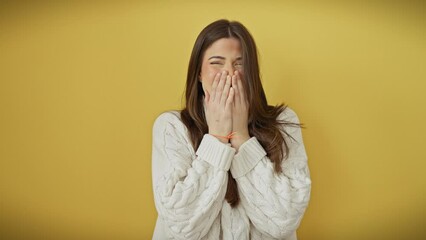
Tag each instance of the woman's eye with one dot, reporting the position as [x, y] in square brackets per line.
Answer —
[215, 63]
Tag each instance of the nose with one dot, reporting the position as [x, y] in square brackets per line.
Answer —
[229, 68]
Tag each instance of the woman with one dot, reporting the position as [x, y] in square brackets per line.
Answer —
[228, 166]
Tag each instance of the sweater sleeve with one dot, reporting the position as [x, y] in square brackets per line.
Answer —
[275, 203]
[189, 187]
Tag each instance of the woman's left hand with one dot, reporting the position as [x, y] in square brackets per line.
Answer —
[239, 113]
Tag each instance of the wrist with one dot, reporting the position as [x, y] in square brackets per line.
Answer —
[239, 139]
[225, 141]
[222, 138]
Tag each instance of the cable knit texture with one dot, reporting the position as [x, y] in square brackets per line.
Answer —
[189, 186]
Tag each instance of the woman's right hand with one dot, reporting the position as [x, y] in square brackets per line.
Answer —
[218, 106]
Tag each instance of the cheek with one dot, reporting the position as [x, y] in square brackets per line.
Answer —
[241, 72]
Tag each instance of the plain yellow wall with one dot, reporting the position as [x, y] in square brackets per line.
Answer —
[81, 84]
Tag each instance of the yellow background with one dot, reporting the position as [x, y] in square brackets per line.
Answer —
[82, 82]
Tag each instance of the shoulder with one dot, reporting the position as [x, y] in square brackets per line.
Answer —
[288, 115]
[168, 118]
[169, 121]
[291, 126]
[168, 127]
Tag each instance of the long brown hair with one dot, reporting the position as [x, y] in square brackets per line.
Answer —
[262, 119]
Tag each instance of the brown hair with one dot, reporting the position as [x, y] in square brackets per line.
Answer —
[262, 119]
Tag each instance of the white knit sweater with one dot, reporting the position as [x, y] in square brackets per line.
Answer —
[190, 186]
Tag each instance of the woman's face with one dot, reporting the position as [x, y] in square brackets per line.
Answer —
[223, 55]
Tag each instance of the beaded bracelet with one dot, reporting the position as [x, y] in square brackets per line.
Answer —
[229, 136]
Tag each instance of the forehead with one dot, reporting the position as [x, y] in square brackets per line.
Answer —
[225, 46]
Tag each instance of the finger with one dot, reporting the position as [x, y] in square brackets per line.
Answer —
[235, 87]
[226, 90]
[219, 88]
[206, 96]
[241, 91]
[214, 85]
[230, 98]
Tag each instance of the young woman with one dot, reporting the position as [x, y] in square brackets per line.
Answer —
[228, 166]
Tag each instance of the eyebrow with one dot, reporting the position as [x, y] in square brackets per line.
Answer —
[223, 58]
